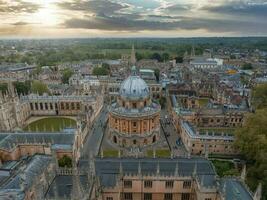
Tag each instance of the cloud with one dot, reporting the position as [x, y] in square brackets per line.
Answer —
[94, 6]
[18, 7]
[256, 8]
[184, 23]
[126, 16]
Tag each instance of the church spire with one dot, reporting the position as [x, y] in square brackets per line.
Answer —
[77, 190]
[133, 58]
[193, 54]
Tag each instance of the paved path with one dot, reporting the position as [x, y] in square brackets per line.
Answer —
[94, 139]
[171, 135]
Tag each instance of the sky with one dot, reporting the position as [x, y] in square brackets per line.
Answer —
[132, 18]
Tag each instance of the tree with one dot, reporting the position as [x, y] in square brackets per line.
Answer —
[232, 57]
[3, 87]
[165, 56]
[259, 96]
[67, 73]
[106, 66]
[179, 59]
[139, 56]
[23, 87]
[156, 56]
[247, 66]
[156, 72]
[251, 140]
[39, 88]
[162, 102]
[100, 71]
[65, 161]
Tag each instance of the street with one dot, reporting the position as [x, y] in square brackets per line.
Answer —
[93, 141]
[171, 135]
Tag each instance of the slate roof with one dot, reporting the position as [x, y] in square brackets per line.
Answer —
[63, 186]
[27, 176]
[107, 169]
[233, 189]
[13, 139]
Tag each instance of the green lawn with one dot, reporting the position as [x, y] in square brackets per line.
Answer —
[50, 124]
[203, 102]
[225, 168]
[160, 153]
[110, 153]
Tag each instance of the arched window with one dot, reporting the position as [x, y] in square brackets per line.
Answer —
[115, 139]
[154, 139]
[134, 141]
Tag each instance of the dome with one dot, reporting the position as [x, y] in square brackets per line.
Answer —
[134, 88]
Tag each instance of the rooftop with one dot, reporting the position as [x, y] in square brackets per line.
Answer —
[109, 168]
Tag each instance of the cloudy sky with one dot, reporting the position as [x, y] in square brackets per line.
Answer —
[132, 18]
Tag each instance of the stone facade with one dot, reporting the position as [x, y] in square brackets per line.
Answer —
[15, 110]
[134, 119]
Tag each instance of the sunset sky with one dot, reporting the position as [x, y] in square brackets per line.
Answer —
[132, 18]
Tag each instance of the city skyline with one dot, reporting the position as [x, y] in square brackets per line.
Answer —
[132, 18]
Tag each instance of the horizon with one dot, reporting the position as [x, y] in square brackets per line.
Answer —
[122, 38]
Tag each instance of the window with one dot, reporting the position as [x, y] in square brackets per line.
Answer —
[147, 196]
[128, 196]
[109, 198]
[127, 184]
[168, 196]
[134, 105]
[187, 184]
[207, 198]
[185, 196]
[169, 184]
[134, 124]
[148, 184]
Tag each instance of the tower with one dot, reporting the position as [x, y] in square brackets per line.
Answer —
[133, 58]
[193, 52]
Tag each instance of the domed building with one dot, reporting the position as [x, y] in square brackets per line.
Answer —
[134, 118]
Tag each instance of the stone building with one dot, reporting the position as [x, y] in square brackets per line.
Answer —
[27, 179]
[15, 110]
[13, 113]
[16, 145]
[206, 142]
[134, 118]
[207, 130]
[62, 105]
[164, 179]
